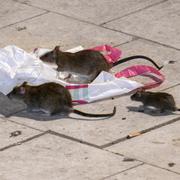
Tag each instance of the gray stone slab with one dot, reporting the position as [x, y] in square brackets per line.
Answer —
[12, 12]
[145, 172]
[6, 128]
[100, 132]
[51, 29]
[52, 157]
[159, 147]
[93, 11]
[159, 54]
[160, 23]
[9, 107]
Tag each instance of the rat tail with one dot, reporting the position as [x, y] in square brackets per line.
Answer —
[142, 57]
[94, 115]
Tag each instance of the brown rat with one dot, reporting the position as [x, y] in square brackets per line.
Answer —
[85, 65]
[160, 100]
[51, 98]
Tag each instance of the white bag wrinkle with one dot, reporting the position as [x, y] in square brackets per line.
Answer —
[18, 66]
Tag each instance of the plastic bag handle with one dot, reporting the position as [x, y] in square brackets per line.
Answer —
[143, 70]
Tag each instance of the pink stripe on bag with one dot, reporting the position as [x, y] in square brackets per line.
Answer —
[77, 86]
[76, 102]
[111, 54]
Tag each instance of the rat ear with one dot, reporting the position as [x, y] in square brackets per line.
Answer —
[140, 90]
[55, 51]
[24, 84]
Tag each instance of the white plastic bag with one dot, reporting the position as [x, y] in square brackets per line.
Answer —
[18, 66]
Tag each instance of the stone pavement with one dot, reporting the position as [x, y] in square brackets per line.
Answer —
[70, 149]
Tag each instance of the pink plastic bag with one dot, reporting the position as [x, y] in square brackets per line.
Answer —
[110, 53]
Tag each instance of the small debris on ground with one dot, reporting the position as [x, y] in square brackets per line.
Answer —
[21, 28]
[171, 164]
[124, 118]
[133, 134]
[127, 159]
[172, 62]
[15, 133]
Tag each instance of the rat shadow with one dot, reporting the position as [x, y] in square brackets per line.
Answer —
[149, 111]
[40, 116]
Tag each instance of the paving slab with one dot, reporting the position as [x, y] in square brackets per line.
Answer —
[101, 132]
[93, 11]
[12, 12]
[160, 147]
[159, 23]
[145, 172]
[51, 29]
[159, 54]
[10, 107]
[52, 157]
[6, 128]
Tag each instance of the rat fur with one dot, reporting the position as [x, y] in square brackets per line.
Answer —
[51, 98]
[159, 100]
[85, 65]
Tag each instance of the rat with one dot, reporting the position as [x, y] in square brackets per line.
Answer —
[159, 100]
[85, 65]
[51, 98]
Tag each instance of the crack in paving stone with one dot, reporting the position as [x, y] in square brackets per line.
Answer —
[23, 141]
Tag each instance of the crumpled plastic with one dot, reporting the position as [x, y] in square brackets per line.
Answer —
[18, 66]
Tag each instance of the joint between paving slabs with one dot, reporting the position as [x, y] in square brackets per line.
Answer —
[142, 163]
[76, 19]
[170, 87]
[73, 139]
[133, 12]
[24, 20]
[153, 165]
[134, 38]
[140, 133]
[142, 38]
[58, 13]
[23, 141]
[122, 171]
[87, 22]
[81, 20]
